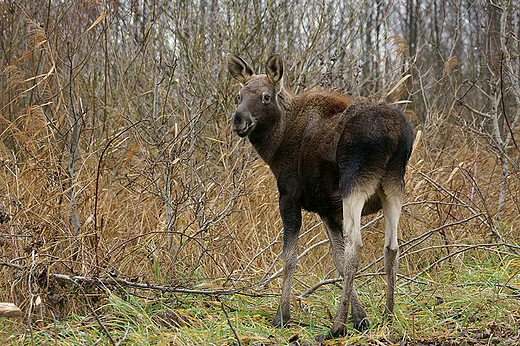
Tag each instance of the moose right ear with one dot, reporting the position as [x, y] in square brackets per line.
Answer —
[238, 68]
[274, 68]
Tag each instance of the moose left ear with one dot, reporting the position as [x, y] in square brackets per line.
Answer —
[274, 68]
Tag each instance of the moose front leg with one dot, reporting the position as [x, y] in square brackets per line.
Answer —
[291, 218]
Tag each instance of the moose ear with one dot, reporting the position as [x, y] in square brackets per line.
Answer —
[274, 68]
[238, 68]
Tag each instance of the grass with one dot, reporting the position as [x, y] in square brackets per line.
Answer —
[477, 303]
[118, 160]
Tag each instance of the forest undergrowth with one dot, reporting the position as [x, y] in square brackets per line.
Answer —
[131, 214]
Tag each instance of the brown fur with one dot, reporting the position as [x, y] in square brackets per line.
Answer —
[326, 102]
[329, 156]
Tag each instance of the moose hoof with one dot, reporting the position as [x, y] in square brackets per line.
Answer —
[361, 325]
[277, 320]
[340, 329]
[337, 330]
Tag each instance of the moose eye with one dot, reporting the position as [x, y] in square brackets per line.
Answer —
[239, 97]
[266, 98]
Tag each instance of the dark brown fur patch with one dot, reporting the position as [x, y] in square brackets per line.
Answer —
[329, 103]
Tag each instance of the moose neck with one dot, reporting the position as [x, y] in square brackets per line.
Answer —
[268, 141]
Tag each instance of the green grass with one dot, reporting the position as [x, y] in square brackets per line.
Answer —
[471, 301]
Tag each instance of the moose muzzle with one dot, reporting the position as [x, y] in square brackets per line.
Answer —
[242, 123]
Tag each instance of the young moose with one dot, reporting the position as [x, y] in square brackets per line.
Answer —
[329, 156]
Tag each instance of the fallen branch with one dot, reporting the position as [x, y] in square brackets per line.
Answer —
[111, 281]
[489, 284]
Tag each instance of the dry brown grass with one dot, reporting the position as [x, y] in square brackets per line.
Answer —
[444, 186]
[91, 141]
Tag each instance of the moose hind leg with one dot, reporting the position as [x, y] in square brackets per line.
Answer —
[392, 202]
[352, 207]
[335, 233]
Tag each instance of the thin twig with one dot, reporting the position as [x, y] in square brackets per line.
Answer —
[261, 282]
[11, 265]
[276, 241]
[489, 221]
[93, 311]
[305, 252]
[126, 334]
[229, 322]
[420, 238]
[98, 173]
[454, 254]
[337, 280]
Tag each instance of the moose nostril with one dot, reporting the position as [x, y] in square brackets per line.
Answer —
[237, 119]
